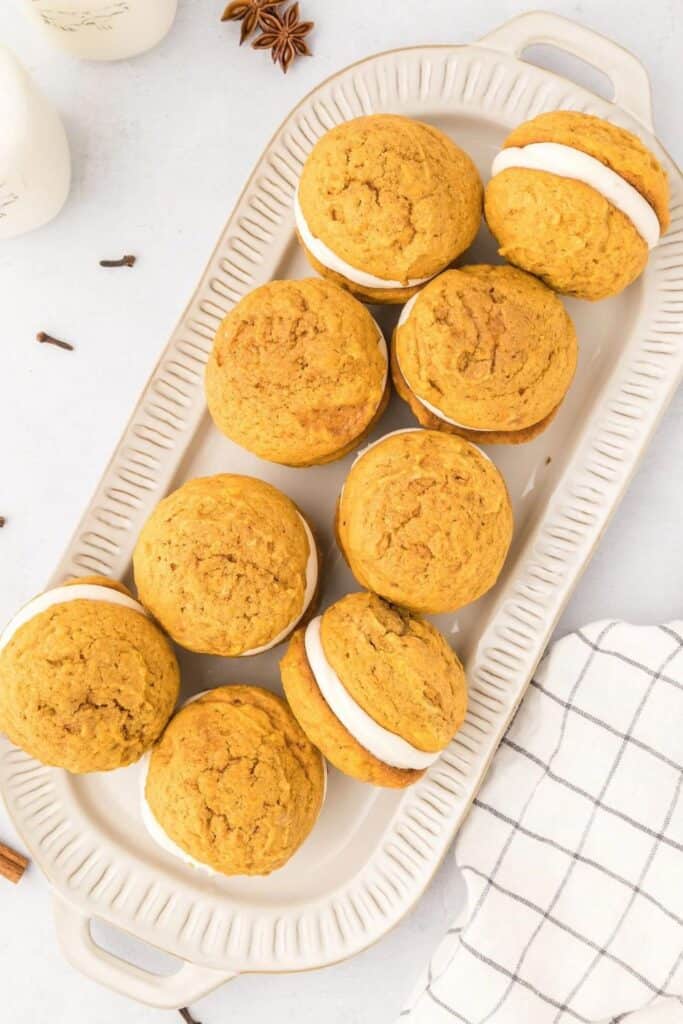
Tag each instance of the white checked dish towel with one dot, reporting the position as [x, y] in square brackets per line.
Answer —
[573, 851]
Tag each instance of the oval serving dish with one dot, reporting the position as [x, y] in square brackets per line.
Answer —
[373, 851]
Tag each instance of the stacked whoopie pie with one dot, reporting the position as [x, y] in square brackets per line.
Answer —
[299, 374]
[577, 201]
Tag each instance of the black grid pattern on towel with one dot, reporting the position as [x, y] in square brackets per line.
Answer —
[561, 1009]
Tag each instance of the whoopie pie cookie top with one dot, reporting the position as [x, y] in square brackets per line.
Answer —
[390, 197]
[424, 520]
[227, 564]
[87, 679]
[234, 782]
[298, 372]
[487, 348]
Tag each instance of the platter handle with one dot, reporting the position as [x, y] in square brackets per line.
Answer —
[170, 992]
[629, 78]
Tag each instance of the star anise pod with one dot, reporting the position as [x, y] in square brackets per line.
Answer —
[284, 35]
[250, 13]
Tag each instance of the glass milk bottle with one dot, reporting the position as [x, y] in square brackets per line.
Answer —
[103, 29]
[35, 167]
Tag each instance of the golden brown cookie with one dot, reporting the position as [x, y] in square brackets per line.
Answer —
[384, 203]
[227, 564]
[577, 201]
[424, 520]
[377, 689]
[87, 680]
[487, 352]
[233, 783]
[298, 373]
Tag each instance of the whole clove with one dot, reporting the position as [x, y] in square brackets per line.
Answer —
[47, 339]
[125, 261]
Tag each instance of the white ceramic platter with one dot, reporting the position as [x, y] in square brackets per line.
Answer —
[373, 851]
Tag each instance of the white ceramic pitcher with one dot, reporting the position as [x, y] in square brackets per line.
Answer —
[103, 29]
[35, 166]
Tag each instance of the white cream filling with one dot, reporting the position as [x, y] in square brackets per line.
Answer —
[386, 746]
[323, 254]
[384, 352]
[435, 411]
[311, 584]
[568, 162]
[159, 834]
[62, 595]
[407, 310]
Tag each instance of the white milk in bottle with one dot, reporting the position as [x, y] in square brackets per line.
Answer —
[35, 167]
[103, 29]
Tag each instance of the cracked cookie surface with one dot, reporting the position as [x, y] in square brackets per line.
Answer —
[235, 782]
[222, 564]
[86, 685]
[391, 196]
[424, 520]
[490, 347]
[565, 231]
[297, 374]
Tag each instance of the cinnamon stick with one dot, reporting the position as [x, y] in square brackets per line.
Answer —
[12, 864]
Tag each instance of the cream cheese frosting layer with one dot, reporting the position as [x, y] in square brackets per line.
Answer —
[435, 411]
[382, 345]
[312, 570]
[62, 595]
[159, 834]
[386, 746]
[567, 162]
[407, 310]
[323, 254]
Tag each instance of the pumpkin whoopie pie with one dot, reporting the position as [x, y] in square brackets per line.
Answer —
[298, 373]
[87, 679]
[424, 520]
[577, 201]
[378, 690]
[227, 564]
[487, 352]
[384, 203]
[233, 786]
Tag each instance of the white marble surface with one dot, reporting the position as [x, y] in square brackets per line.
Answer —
[161, 147]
